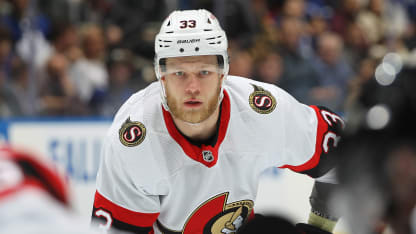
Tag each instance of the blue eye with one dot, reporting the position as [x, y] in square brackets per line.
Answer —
[204, 73]
[179, 73]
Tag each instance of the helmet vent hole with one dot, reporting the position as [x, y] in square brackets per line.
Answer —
[181, 50]
[207, 29]
[209, 21]
[168, 23]
[197, 49]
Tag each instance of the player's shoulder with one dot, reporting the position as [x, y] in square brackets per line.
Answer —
[139, 103]
[263, 98]
[132, 141]
[138, 116]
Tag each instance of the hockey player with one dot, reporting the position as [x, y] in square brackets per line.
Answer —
[185, 154]
[34, 198]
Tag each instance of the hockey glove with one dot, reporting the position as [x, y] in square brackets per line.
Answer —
[304, 228]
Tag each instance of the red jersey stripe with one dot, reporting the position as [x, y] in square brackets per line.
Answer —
[125, 215]
[322, 128]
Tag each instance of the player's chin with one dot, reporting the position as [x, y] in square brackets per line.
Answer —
[193, 117]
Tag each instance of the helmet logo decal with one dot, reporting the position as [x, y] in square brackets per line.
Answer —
[262, 101]
[132, 133]
[188, 41]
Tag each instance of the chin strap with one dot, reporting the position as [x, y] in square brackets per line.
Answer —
[163, 96]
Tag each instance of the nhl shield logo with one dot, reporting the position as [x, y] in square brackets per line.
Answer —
[132, 133]
[207, 156]
[262, 101]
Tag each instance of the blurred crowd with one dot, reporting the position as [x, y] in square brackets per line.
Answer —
[86, 57]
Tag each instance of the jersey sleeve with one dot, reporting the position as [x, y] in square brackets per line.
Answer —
[310, 134]
[127, 195]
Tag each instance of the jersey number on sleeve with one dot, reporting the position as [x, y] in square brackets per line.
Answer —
[107, 216]
[331, 119]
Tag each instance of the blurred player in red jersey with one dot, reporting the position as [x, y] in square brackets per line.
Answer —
[33, 197]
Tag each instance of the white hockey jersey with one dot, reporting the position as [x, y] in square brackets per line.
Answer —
[152, 179]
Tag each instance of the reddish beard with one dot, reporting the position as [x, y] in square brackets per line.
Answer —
[193, 115]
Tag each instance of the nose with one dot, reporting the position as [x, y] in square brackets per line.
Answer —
[193, 85]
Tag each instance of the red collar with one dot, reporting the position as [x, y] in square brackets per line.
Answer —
[205, 154]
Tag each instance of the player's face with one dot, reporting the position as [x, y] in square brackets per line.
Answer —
[193, 85]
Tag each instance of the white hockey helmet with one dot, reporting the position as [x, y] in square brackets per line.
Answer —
[190, 33]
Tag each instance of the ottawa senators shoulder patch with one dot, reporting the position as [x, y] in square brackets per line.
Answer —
[132, 133]
[262, 101]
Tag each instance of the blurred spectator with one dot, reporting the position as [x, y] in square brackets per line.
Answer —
[294, 8]
[269, 68]
[33, 197]
[239, 13]
[124, 15]
[17, 16]
[89, 74]
[28, 27]
[267, 37]
[57, 94]
[114, 36]
[6, 53]
[19, 85]
[383, 19]
[317, 25]
[298, 74]
[345, 13]
[241, 62]
[9, 104]
[396, 17]
[356, 44]
[121, 85]
[65, 40]
[365, 74]
[333, 73]
[410, 42]
[372, 22]
[231, 13]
